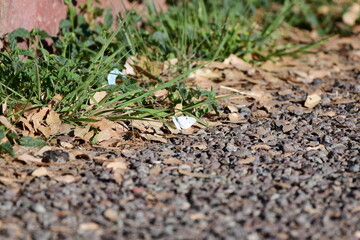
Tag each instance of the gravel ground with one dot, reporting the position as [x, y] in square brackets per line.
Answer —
[293, 174]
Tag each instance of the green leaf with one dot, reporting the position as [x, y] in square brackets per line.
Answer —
[20, 32]
[32, 142]
[108, 21]
[7, 147]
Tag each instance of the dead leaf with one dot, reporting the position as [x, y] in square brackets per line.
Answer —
[66, 145]
[7, 181]
[6, 123]
[27, 158]
[312, 100]
[104, 135]
[65, 178]
[39, 172]
[117, 164]
[98, 96]
[54, 122]
[154, 137]
[238, 63]
[234, 117]
[351, 15]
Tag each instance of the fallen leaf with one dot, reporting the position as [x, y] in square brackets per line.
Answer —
[39, 172]
[6, 123]
[65, 178]
[104, 135]
[233, 117]
[8, 181]
[98, 96]
[120, 164]
[312, 100]
[351, 15]
[238, 63]
[154, 137]
[27, 158]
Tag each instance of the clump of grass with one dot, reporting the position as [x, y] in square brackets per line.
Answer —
[76, 64]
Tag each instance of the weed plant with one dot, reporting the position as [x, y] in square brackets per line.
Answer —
[75, 66]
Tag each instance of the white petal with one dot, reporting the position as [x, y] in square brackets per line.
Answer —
[111, 77]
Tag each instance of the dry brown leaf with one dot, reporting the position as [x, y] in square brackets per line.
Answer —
[205, 73]
[65, 178]
[232, 109]
[117, 164]
[98, 96]
[38, 117]
[80, 132]
[161, 93]
[234, 117]
[7, 181]
[149, 126]
[6, 123]
[312, 100]
[238, 63]
[66, 145]
[350, 17]
[39, 172]
[154, 137]
[28, 158]
[54, 122]
[194, 174]
[104, 135]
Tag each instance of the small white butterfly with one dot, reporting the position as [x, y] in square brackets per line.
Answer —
[183, 122]
[111, 77]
